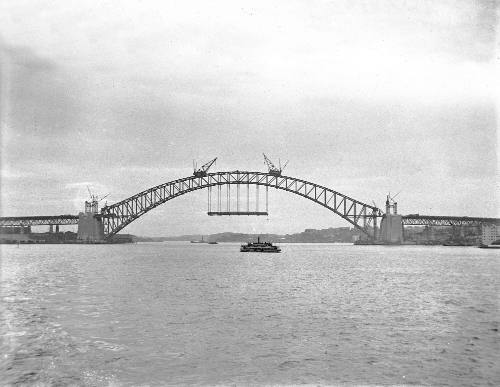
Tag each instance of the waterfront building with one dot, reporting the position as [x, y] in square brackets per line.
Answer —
[489, 233]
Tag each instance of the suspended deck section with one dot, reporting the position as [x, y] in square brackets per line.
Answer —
[240, 213]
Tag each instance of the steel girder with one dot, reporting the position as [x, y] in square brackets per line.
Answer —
[237, 213]
[24, 221]
[116, 216]
[428, 220]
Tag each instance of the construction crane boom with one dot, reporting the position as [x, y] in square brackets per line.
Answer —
[201, 172]
[391, 203]
[273, 169]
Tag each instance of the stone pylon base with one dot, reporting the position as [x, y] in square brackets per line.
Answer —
[391, 229]
[90, 228]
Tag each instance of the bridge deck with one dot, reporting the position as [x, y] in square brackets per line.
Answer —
[435, 220]
[23, 221]
[409, 220]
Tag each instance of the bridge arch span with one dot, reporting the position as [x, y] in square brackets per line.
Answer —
[361, 215]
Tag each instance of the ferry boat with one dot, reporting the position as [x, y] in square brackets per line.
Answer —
[260, 247]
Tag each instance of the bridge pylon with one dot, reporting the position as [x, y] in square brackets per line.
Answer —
[90, 225]
[391, 226]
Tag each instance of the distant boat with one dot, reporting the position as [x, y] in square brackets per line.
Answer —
[260, 247]
[458, 243]
[213, 243]
[492, 246]
[202, 241]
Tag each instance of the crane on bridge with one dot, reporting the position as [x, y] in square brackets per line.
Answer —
[273, 170]
[93, 205]
[391, 203]
[202, 172]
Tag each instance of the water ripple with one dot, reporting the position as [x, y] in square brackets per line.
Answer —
[157, 314]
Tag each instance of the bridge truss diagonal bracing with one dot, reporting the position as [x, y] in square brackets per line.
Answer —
[117, 216]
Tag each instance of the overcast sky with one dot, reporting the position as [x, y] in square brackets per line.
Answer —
[364, 97]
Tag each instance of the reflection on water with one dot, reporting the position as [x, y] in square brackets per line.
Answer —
[179, 313]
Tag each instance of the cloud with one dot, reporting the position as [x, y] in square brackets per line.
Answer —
[26, 58]
[37, 97]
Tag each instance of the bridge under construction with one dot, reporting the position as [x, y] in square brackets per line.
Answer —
[242, 193]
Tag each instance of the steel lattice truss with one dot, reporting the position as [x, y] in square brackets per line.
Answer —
[115, 217]
[427, 220]
[24, 221]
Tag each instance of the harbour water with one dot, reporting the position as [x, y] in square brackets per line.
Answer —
[178, 313]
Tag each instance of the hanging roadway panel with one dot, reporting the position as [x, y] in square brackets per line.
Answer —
[230, 180]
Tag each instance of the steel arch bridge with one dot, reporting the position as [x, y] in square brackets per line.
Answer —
[117, 216]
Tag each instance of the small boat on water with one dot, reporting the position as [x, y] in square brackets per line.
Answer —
[492, 246]
[458, 243]
[213, 243]
[202, 241]
[260, 247]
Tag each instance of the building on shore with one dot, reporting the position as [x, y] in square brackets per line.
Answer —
[489, 233]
